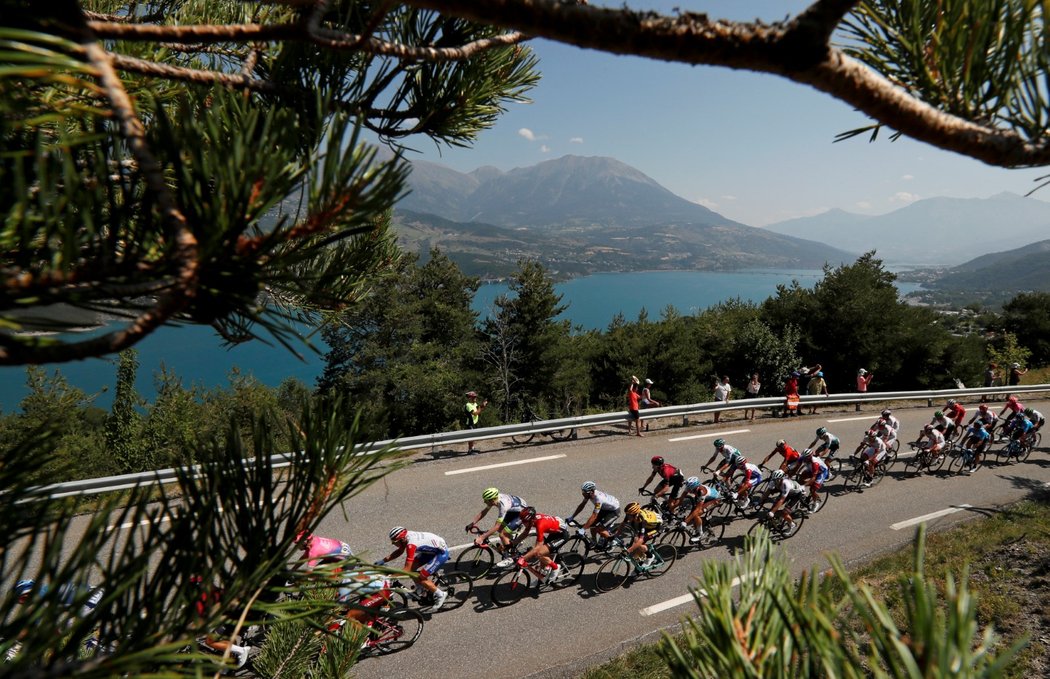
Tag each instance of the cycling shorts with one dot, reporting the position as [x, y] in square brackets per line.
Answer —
[555, 538]
[511, 520]
[429, 562]
[675, 483]
[870, 451]
[822, 476]
[607, 517]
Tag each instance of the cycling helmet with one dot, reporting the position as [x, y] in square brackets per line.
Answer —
[719, 443]
[656, 460]
[632, 508]
[938, 414]
[781, 443]
[950, 403]
[692, 482]
[821, 431]
[1011, 398]
[489, 494]
[527, 513]
[928, 427]
[983, 408]
[398, 533]
[588, 487]
[735, 459]
[808, 452]
[870, 435]
[887, 412]
[23, 587]
[1028, 412]
[778, 475]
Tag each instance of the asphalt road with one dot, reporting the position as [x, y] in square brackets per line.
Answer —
[560, 632]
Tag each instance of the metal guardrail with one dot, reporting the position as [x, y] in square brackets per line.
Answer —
[161, 476]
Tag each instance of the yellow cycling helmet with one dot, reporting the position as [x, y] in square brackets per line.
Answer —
[632, 509]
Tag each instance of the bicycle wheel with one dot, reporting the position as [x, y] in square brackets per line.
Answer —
[677, 538]
[714, 530]
[394, 630]
[572, 563]
[1037, 440]
[1024, 451]
[1006, 454]
[510, 587]
[787, 530]
[579, 547]
[562, 434]
[476, 562]
[895, 448]
[834, 468]
[685, 506]
[891, 455]
[665, 558]
[880, 473]
[459, 587]
[822, 499]
[936, 462]
[761, 523]
[612, 573]
[522, 439]
[916, 464]
[958, 464]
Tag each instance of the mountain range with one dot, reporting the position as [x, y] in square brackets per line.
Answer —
[933, 231]
[580, 215]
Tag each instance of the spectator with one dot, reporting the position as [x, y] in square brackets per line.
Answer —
[633, 406]
[1015, 374]
[991, 379]
[473, 413]
[751, 391]
[647, 398]
[863, 380]
[791, 394]
[816, 387]
[722, 393]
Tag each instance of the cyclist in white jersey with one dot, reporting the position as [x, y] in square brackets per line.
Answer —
[508, 520]
[887, 427]
[826, 444]
[606, 511]
[791, 493]
[934, 441]
[874, 452]
[985, 416]
[425, 554]
[726, 451]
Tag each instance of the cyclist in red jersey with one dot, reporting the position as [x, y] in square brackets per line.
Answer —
[551, 533]
[671, 480]
[791, 456]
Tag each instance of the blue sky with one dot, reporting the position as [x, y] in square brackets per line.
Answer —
[755, 148]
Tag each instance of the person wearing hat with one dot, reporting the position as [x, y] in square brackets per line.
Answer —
[816, 386]
[863, 378]
[473, 413]
[647, 398]
[1015, 374]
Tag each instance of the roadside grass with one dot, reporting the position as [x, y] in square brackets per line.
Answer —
[1006, 556]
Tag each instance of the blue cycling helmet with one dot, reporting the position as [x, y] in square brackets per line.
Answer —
[692, 482]
[588, 487]
[719, 443]
[23, 587]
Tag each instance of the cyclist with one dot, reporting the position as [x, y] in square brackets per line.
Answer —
[984, 417]
[706, 495]
[221, 638]
[874, 452]
[723, 449]
[791, 456]
[939, 422]
[508, 520]
[646, 524]
[827, 444]
[955, 412]
[791, 494]
[934, 443]
[319, 550]
[813, 473]
[977, 441]
[606, 511]
[671, 480]
[887, 427]
[1015, 407]
[551, 533]
[363, 590]
[1036, 417]
[751, 477]
[425, 554]
[1021, 428]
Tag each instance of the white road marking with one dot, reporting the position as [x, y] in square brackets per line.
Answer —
[927, 517]
[502, 464]
[679, 600]
[711, 435]
[132, 524]
[855, 419]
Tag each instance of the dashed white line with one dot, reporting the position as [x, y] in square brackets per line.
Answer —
[502, 464]
[711, 435]
[871, 417]
[928, 517]
[132, 524]
[680, 600]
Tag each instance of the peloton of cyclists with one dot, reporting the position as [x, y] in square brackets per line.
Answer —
[425, 554]
[508, 520]
[671, 480]
[606, 511]
[551, 533]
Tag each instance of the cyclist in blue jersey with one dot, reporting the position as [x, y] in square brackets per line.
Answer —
[425, 554]
[977, 441]
[606, 511]
[508, 520]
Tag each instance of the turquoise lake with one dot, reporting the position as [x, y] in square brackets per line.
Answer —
[196, 355]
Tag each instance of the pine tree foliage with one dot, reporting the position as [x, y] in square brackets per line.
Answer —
[182, 161]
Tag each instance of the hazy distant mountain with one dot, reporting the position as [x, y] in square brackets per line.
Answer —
[934, 231]
[1010, 272]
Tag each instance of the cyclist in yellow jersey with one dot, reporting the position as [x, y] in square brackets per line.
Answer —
[646, 524]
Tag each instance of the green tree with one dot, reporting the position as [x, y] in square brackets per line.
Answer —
[1027, 316]
[124, 424]
[1006, 350]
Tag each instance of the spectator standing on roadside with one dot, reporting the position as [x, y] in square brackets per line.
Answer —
[722, 393]
[1015, 374]
[473, 413]
[816, 387]
[863, 379]
[647, 398]
[791, 394]
[634, 392]
[754, 386]
[991, 377]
